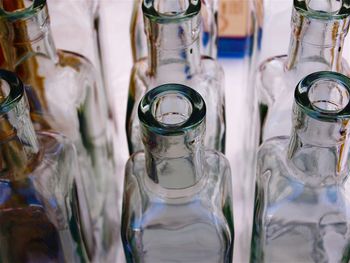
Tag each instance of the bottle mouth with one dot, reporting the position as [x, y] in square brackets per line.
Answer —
[17, 10]
[171, 109]
[170, 10]
[323, 9]
[324, 95]
[11, 91]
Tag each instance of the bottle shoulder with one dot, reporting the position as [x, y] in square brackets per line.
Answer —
[215, 179]
[57, 153]
[271, 77]
[74, 60]
[279, 183]
[215, 163]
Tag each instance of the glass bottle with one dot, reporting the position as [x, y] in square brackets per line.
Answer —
[173, 29]
[177, 203]
[317, 39]
[303, 190]
[208, 36]
[64, 95]
[42, 208]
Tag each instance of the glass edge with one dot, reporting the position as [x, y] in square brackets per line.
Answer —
[16, 91]
[25, 12]
[196, 118]
[302, 99]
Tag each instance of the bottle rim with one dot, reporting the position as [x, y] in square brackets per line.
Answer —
[305, 87]
[343, 12]
[16, 92]
[23, 13]
[149, 10]
[195, 118]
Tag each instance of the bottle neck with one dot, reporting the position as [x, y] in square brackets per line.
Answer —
[27, 34]
[172, 119]
[174, 162]
[319, 144]
[19, 146]
[316, 44]
[173, 45]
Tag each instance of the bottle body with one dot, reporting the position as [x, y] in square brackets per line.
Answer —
[302, 187]
[177, 202]
[198, 227]
[41, 212]
[65, 95]
[295, 222]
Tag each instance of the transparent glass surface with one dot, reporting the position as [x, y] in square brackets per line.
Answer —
[65, 95]
[318, 32]
[208, 31]
[175, 58]
[302, 190]
[177, 204]
[42, 207]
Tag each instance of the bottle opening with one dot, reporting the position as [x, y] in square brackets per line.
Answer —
[4, 90]
[11, 91]
[14, 6]
[328, 96]
[14, 10]
[171, 7]
[171, 109]
[326, 6]
[163, 11]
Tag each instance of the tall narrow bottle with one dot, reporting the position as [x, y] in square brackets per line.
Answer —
[173, 29]
[303, 190]
[177, 203]
[208, 36]
[317, 39]
[42, 208]
[64, 96]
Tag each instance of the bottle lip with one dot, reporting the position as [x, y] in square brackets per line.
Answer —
[16, 91]
[301, 6]
[23, 13]
[196, 117]
[151, 13]
[302, 96]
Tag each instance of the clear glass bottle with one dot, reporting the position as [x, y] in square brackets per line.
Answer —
[317, 39]
[64, 95]
[173, 29]
[208, 30]
[303, 190]
[177, 203]
[42, 207]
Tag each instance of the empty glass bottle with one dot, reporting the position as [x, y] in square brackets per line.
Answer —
[303, 190]
[319, 28]
[172, 29]
[43, 214]
[64, 95]
[208, 35]
[177, 203]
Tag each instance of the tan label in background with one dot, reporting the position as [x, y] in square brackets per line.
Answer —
[233, 20]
